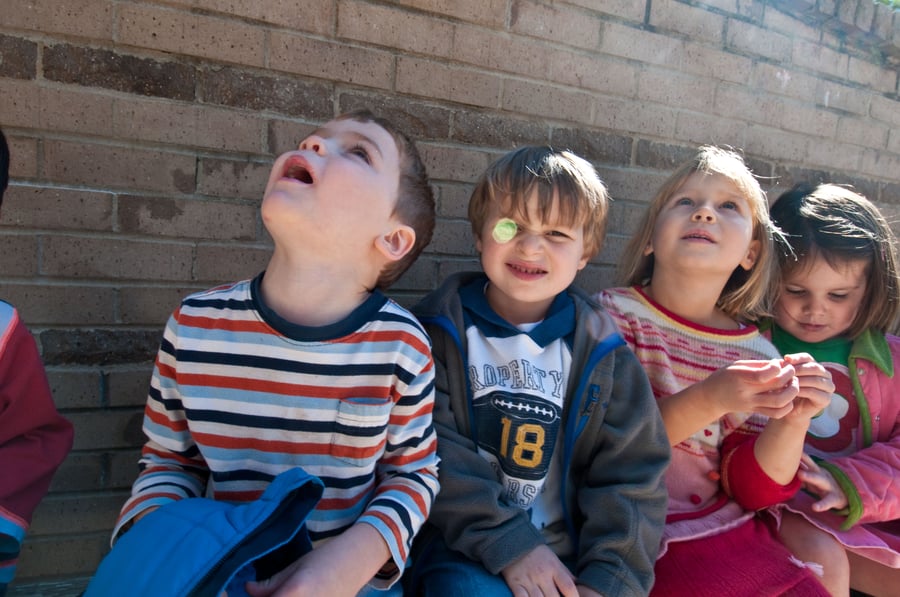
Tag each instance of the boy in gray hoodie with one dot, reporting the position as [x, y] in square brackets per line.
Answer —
[552, 447]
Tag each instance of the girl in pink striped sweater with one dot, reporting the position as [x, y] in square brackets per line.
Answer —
[697, 271]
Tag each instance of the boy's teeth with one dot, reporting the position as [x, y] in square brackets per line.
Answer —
[527, 270]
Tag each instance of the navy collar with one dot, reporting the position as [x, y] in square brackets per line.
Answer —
[559, 322]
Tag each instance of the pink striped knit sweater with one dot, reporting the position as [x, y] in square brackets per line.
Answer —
[714, 481]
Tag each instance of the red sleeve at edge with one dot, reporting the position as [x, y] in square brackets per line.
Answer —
[34, 437]
[745, 481]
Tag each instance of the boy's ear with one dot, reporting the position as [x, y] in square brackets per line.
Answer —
[395, 244]
[648, 249]
[583, 261]
[749, 259]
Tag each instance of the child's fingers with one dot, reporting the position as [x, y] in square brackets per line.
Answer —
[799, 358]
[816, 384]
[815, 400]
[811, 369]
[774, 412]
[816, 481]
[815, 381]
[761, 372]
[766, 379]
[807, 463]
[814, 374]
[565, 586]
[778, 393]
[821, 385]
[830, 501]
[810, 463]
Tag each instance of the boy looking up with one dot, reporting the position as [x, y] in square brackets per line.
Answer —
[34, 438]
[552, 448]
[310, 365]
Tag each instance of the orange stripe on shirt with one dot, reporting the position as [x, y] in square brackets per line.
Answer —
[281, 388]
[219, 323]
[163, 421]
[401, 336]
[398, 539]
[287, 447]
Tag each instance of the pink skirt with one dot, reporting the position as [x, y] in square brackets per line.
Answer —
[747, 561]
[878, 541]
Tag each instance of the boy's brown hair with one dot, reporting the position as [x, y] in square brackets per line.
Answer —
[842, 226]
[415, 199]
[548, 173]
[747, 294]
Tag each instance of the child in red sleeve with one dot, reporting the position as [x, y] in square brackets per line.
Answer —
[34, 438]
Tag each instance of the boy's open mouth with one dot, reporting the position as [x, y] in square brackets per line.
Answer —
[298, 169]
[526, 270]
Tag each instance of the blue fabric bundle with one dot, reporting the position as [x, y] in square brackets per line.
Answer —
[198, 547]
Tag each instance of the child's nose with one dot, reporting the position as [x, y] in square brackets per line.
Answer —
[313, 143]
[530, 242]
[703, 214]
[814, 306]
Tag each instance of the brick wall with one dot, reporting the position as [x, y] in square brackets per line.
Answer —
[142, 132]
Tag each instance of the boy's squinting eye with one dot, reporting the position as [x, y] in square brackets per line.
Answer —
[794, 291]
[730, 205]
[558, 234]
[684, 201]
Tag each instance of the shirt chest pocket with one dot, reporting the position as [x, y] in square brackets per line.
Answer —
[359, 433]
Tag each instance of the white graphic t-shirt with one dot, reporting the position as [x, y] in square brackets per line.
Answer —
[518, 385]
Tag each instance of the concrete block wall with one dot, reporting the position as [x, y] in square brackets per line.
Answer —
[142, 133]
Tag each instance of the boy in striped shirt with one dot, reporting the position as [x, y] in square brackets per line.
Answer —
[310, 365]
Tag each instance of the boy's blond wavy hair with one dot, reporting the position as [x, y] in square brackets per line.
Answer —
[550, 173]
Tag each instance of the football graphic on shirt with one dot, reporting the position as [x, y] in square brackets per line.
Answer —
[519, 430]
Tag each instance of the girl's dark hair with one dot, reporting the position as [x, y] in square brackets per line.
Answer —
[841, 226]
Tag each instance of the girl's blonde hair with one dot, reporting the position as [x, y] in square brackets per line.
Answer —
[841, 226]
[748, 294]
[555, 176]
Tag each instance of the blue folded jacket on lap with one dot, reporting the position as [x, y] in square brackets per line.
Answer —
[198, 546]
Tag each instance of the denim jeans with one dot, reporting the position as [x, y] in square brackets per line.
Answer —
[438, 571]
[369, 591]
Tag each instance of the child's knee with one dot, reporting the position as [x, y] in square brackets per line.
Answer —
[812, 544]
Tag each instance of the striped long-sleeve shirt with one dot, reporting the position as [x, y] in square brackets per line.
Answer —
[677, 353]
[239, 395]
